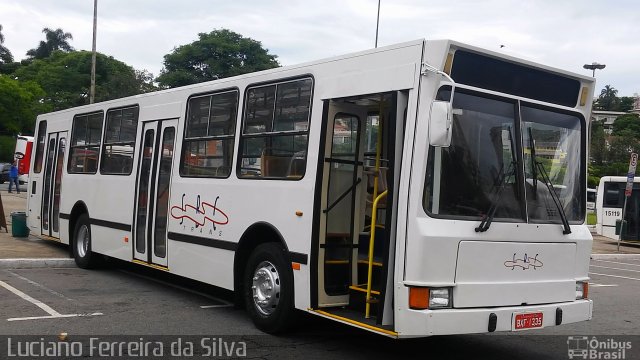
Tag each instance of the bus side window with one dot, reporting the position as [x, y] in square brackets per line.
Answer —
[84, 148]
[209, 134]
[40, 142]
[119, 141]
[275, 130]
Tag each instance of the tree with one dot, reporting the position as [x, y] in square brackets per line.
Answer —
[218, 54]
[598, 143]
[5, 54]
[626, 103]
[608, 99]
[627, 122]
[622, 145]
[54, 40]
[20, 103]
[65, 78]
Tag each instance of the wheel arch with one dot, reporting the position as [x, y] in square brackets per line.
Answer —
[256, 234]
[78, 209]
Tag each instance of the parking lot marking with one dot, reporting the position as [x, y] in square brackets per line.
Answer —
[54, 317]
[35, 302]
[616, 276]
[612, 268]
[601, 285]
[215, 306]
[38, 285]
[617, 262]
[52, 313]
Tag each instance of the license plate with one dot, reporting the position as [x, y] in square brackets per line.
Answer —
[528, 320]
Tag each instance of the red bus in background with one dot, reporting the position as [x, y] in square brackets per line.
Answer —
[22, 154]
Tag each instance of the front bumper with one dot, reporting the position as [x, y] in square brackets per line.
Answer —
[418, 323]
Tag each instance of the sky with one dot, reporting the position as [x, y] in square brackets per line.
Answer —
[561, 33]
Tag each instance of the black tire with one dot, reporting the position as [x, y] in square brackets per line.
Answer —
[81, 245]
[277, 313]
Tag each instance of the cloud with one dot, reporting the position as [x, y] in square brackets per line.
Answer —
[557, 33]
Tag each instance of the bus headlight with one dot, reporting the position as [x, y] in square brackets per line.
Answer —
[439, 298]
[582, 290]
[422, 298]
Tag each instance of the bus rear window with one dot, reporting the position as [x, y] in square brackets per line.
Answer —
[614, 194]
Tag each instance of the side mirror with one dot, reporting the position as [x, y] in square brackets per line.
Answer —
[440, 120]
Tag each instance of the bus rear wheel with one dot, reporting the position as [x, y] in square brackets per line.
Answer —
[268, 288]
[82, 253]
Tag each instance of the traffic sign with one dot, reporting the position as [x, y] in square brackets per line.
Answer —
[631, 174]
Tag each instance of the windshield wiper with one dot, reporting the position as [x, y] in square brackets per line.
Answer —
[498, 187]
[537, 165]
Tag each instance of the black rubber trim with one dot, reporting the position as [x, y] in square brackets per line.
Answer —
[108, 224]
[214, 243]
[65, 216]
[493, 322]
[317, 201]
[298, 257]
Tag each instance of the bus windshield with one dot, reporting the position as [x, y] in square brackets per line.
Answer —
[490, 165]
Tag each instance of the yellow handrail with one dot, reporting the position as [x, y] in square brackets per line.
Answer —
[374, 212]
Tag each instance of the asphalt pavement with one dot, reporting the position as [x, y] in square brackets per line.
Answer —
[123, 299]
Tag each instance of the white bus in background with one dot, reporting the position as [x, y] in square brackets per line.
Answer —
[610, 202]
[424, 188]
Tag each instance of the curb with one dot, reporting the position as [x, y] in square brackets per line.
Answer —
[37, 263]
[615, 256]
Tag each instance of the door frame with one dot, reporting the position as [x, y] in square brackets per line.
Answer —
[159, 128]
[49, 186]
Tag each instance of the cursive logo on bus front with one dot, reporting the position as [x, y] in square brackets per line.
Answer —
[200, 214]
[525, 263]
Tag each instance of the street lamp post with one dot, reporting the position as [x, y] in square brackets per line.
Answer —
[377, 23]
[92, 90]
[594, 66]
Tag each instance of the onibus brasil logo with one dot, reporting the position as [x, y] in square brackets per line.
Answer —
[584, 347]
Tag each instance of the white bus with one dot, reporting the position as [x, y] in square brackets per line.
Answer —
[610, 201]
[418, 189]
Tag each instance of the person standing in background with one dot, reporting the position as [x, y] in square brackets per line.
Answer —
[13, 177]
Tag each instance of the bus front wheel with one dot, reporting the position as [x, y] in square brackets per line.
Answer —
[82, 253]
[268, 288]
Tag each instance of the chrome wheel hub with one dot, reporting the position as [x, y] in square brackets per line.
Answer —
[82, 242]
[266, 288]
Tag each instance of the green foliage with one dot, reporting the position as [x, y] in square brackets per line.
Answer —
[20, 103]
[7, 146]
[56, 40]
[608, 99]
[598, 146]
[5, 54]
[218, 54]
[626, 103]
[627, 122]
[66, 77]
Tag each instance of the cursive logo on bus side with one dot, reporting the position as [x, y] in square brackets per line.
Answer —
[525, 263]
[200, 213]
